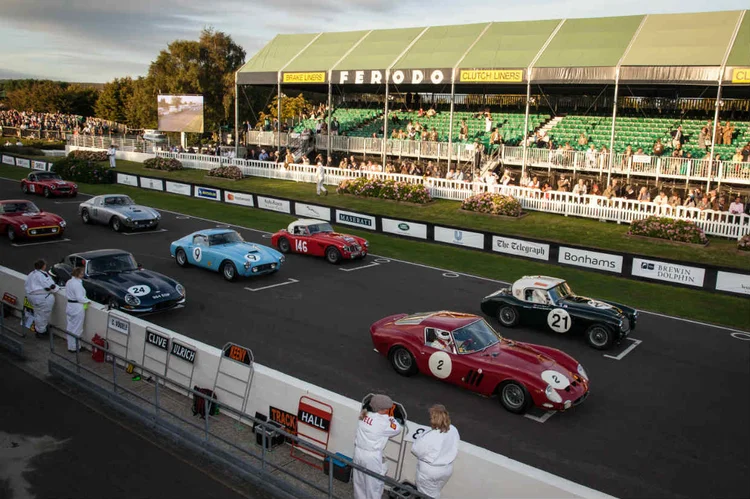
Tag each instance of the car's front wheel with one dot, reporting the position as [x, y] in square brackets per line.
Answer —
[229, 271]
[514, 397]
[333, 255]
[600, 337]
[403, 361]
[284, 245]
[85, 217]
[47, 192]
[25, 188]
[12, 236]
[181, 257]
[508, 316]
[116, 224]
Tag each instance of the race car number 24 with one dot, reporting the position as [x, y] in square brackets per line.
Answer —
[559, 320]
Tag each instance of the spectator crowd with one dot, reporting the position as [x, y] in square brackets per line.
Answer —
[21, 121]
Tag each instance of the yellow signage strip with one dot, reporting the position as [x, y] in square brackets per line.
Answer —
[741, 75]
[491, 76]
[317, 77]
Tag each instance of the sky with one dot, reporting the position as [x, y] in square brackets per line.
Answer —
[98, 40]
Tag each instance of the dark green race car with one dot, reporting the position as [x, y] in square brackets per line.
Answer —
[548, 303]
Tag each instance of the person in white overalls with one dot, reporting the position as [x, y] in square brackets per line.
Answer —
[111, 153]
[436, 450]
[373, 431]
[320, 176]
[40, 291]
[76, 309]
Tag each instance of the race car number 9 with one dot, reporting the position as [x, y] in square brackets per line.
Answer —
[197, 254]
[559, 320]
[440, 365]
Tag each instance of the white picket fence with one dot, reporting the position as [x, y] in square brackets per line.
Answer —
[714, 223]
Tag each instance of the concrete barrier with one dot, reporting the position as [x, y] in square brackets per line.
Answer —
[478, 473]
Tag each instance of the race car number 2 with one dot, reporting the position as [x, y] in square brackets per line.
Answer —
[197, 253]
[559, 320]
[440, 365]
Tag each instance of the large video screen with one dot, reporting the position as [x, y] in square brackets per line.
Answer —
[180, 113]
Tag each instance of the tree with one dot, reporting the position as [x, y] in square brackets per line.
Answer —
[53, 97]
[113, 100]
[291, 107]
[140, 111]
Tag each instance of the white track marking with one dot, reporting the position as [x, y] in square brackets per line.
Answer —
[290, 281]
[741, 336]
[382, 260]
[40, 242]
[540, 419]
[359, 268]
[67, 202]
[143, 232]
[692, 321]
[450, 275]
[627, 350]
[182, 217]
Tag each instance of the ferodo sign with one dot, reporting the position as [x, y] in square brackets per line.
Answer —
[398, 76]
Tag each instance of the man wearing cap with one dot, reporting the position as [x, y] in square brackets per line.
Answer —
[40, 289]
[111, 152]
[373, 431]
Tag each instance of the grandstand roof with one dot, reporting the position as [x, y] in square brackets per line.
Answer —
[657, 48]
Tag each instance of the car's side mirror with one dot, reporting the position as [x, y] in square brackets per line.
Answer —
[431, 336]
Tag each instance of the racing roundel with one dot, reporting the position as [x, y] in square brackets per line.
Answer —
[251, 258]
[140, 290]
[440, 364]
[197, 253]
[555, 379]
[559, 320]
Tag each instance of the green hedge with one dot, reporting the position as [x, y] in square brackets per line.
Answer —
[79, 170]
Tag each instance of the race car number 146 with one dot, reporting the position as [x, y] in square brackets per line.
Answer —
[559, 320]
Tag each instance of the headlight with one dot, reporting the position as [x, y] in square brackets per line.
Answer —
[158, 215]
[132, 300]
[255, 270]
[24, 227]
[62, 223]
[282, 259]
[75, 186]
[582, 372]
[180, 289]
[367, 245]
[248, 265]
[273, 265]
[552, 395]
[128, 219]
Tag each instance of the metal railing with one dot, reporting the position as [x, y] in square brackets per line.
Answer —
[249, 456]
[103, 142]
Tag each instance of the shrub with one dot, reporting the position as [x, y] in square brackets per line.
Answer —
[385, 189]
[165, 164]
[744, 243]
[88, 155]
[682, 231]
[230, 172]
[87, 172]
[495, 204]
[22, 150]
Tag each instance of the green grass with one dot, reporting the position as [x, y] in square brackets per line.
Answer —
[682, 302]
[545, 226]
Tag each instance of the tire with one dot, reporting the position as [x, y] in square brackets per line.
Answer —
[155, 227]
[599, 337]
[46, 192]
[333, 255]
[85, 217]
[508, 316]
[75, 194]
[116, 224]
[403, 361]
[229, 271]
[12, 236]
[112, 303]
[181, 258]
[24, 188]
[284, 245]
[514, 397]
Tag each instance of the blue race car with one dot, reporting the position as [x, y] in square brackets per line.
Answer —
[224, 250]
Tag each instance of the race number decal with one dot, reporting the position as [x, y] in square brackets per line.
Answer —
[301, 246]
[440, 365]
[251, 258]
[197, 253]
[32, 188]
[141, 290]
[559, 320]
[556, 379]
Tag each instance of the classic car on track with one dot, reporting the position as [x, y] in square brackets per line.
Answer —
[224, 250]
[119, 212]
[317, 238]
[549, 303]
[113, 277]
[48, 184]
[21, 219]
[462, 349]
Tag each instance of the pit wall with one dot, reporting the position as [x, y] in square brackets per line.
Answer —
[478, 473]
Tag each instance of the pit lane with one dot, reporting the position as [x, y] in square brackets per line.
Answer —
[661, 419]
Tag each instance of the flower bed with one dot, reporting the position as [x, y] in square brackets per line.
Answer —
[79, 170]
[744, 243]
[493, 204]
[88, 155]
[679, 231]
[165, 164]
[230, 172]
[385, 189]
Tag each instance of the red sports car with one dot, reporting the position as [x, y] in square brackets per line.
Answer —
[48, 184]
[317, 238]
[464, 350]
[20, 218]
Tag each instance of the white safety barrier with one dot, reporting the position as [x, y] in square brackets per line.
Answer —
[477, 473]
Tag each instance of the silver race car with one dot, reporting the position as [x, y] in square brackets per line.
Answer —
[119, 212]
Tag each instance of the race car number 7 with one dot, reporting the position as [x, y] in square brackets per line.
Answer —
[559, 320]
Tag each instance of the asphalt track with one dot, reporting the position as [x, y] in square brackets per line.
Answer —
[667, 419]
[185, 121]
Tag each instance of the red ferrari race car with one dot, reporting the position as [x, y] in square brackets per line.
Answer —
[48, 184]
[20, 218]
[317, 238]
[464, 350]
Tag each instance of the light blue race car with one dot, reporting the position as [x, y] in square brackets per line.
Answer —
[224, 250]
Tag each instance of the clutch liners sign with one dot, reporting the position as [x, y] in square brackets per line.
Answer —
[490, 76]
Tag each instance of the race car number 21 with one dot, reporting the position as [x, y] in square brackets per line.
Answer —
[559, 320]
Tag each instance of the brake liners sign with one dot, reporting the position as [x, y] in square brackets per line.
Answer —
[316, 77]
[491, 76]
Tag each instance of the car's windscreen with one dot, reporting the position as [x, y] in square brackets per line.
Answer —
[121, 262]
[19, 208]
[560, 292]
[314, 229]
[224, 238]
[475, 337]
[118, 201]
[48, 176]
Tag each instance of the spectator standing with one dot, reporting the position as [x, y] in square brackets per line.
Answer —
[373, 431]
[737, 208]
[111, 153]
[644, 195]
[40, 290]
[702, 136]
[76, 309]
[677, 137]
[727, 133]
[463, 131]
[591, 156]
[658, 148]
[436, 450]
[320, 177]
[719, 133]
[583, 140]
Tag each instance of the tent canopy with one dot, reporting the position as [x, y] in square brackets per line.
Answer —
[658, 48]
